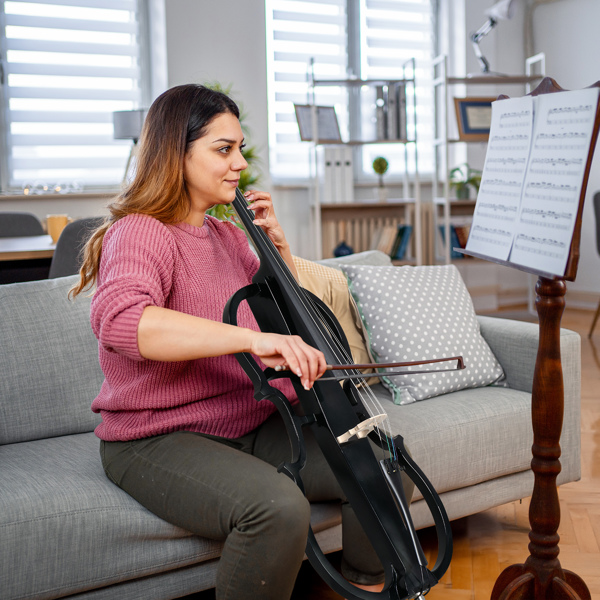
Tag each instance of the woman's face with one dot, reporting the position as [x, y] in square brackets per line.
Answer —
[212, 166]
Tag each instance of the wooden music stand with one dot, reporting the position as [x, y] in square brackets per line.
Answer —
[541, 577]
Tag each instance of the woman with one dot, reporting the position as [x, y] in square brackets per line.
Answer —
[181, 431]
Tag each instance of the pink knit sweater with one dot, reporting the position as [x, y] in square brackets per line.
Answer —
[185, 268]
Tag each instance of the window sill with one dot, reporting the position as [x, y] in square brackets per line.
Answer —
[62, 197]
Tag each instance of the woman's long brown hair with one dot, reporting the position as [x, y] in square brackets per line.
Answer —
[175, 120]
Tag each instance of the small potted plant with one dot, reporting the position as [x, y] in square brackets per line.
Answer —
[380, 166]
[462, 179]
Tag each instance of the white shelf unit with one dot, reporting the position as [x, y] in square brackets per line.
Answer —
[442, 84]
[370, 213]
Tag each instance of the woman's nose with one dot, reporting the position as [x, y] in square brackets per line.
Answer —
[240, 163]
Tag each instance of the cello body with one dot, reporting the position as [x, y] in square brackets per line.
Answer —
[372, 484]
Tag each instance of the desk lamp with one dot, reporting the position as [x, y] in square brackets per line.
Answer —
[501, 10]
[128, 126]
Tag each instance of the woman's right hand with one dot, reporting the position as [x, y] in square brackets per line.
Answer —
[292, 353]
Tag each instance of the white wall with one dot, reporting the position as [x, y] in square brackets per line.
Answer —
[567, 31]
[223, 42]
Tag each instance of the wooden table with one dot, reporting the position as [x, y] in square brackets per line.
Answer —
[25, 258]
[26, 248]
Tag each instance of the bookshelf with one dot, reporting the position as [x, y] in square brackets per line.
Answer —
[367, 226]
[336, 218]
[447, 143]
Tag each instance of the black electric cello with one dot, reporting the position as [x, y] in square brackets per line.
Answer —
[342, 416]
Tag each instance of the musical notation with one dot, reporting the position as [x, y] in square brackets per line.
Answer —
[490, 235]
[549, 248]
[547, 219]
[554, 166]
[507, 160]
[497, 207]
[532, 178]
[571, 115]
[560, 162]
[497, 211]
[553, 187]
[514, 119]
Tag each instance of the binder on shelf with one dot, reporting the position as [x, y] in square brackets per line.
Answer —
[347, 174]
[402, 113]
[380, 113]
[338, 174]
[396, 112]
[325, 171]
[392, 111]
[335, 172]
[401, 242]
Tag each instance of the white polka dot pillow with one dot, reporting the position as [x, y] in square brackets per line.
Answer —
[420, 313]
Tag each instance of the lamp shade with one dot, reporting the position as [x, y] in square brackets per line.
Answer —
[128, 124]
[504, 9]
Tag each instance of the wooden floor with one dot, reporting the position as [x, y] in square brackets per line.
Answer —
[486, 543]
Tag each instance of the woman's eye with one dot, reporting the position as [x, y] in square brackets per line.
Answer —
[225, 149]
[242, 147]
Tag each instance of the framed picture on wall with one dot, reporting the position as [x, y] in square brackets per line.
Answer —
[474, 118]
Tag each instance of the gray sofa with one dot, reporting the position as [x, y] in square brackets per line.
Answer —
[66, 530]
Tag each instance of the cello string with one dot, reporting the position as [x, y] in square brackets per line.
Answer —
[368, 397]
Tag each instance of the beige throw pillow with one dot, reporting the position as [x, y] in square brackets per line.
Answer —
[331, 286]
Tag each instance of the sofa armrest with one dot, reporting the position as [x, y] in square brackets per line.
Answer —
[515, 345]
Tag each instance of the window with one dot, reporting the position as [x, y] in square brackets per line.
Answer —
[368, 39]
[67, 65]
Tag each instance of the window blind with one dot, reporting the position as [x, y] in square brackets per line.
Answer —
[67, 65]
[387, 34]
[301, 30]
[392, 33]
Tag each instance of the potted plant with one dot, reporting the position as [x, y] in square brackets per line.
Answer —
[462, 179]
[380, 166]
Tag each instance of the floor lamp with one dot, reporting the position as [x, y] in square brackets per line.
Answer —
[128, 126]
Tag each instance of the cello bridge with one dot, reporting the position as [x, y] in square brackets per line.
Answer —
[363, 429]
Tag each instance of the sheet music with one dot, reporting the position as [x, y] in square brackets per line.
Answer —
[563, 130]
[504, 171]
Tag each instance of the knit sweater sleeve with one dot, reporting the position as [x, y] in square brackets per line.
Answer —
[136, 270]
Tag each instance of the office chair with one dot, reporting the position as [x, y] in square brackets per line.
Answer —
[18, 224]
[597, 217]
[67, 255]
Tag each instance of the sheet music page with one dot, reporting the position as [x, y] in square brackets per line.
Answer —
[564, 123]
[504, 170]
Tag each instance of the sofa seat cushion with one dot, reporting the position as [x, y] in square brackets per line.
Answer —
[466, 437]
[65, 528]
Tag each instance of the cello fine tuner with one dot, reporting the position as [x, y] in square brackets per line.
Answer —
[362, 429]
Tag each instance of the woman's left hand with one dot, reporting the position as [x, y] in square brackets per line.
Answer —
[264, 213]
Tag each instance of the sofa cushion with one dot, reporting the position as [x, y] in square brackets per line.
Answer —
[421, 313]
[49, 357]
[65, 528]
[466, 437]
[59, 511]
